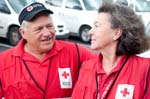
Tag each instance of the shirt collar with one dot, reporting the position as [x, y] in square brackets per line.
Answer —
[100, 68]
[19, 48]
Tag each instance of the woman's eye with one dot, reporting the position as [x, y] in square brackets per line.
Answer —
[96, 25]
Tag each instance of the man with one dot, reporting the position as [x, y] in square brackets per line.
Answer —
[40, 67]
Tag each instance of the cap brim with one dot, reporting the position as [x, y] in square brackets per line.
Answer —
[33, 14]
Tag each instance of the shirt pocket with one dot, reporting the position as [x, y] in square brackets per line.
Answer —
[29, 90]
[12, 92]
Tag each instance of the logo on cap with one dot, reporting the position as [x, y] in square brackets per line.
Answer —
[29, 8]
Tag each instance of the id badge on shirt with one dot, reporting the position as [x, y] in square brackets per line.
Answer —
[65, 77]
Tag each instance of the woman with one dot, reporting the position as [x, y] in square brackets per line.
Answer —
[117, 73]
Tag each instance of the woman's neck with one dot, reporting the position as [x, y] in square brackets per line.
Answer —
[109, 62]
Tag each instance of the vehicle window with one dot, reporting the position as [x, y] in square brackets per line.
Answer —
[3, 7]
[73, 4]
[142, 5]
[92, 4]
[148, 29]
[56, 3]
[125, 2]
[19, 4]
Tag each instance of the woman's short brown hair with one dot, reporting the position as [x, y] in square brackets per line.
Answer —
[133, 39]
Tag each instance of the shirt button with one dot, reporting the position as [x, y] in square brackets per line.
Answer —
[105, 85]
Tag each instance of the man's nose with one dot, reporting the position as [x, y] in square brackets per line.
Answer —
[45, 31]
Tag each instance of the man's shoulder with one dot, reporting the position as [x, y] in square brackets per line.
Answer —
[69, 44]
[72, 47]
[65, 43]
[5, 58]
[6, 52]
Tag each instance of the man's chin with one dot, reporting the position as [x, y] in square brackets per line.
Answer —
[45, 50]
[46, 47]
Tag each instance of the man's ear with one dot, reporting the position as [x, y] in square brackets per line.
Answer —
[22, 32]
[118, 33]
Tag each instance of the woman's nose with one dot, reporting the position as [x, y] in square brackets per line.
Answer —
[90, 31]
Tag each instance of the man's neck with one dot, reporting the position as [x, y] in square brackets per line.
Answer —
[35, 52]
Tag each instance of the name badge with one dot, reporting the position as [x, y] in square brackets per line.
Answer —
[124, 91]
[65, 77]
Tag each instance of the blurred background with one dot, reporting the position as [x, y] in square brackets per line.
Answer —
[72, 18]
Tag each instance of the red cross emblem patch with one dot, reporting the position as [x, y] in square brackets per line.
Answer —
[29, 8]
[124, 91]
[65, 77]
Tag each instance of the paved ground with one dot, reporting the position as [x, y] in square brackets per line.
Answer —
[4, 47]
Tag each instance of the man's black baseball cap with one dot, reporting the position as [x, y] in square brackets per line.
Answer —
[30, 11]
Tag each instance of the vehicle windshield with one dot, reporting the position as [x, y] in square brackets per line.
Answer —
[142, 5]
[92, 4]
[18, 5]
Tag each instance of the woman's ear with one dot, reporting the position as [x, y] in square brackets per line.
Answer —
[118, 33]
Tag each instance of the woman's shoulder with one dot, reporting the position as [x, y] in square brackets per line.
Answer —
[89, 64]
[140, 59]
[140, 63]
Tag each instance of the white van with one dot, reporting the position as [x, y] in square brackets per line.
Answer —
[77, 14]
[9, 24]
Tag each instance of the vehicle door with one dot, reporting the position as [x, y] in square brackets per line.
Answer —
[4, 16]
[72, 14]
[55, 6]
